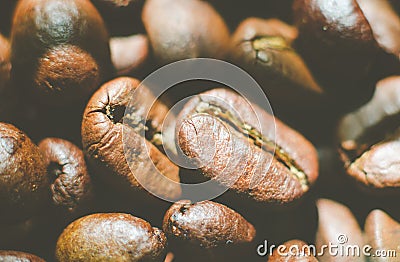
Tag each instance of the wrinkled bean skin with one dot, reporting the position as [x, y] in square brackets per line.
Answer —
[102, 128]
[369, 138]
[60, 49]
[71, 185]
[294, 165]
[23, 179]
[207, 224]
[111, 237]
[16, 256]
[180, 29]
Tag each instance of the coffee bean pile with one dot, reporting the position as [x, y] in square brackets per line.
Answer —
[87, 168]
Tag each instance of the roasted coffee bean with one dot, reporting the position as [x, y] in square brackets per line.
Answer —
[382, 233]
[264, 49]
[129, 53]
[59, 49]
[369, 138]
[233, 143]
[207, 224]
[111, 237]
[16, 256]
[385, 26]
[338, 44]
[180, 29]
[294, 251]
[71, 185]
[23, 180]
[102, 128]
[337, 225]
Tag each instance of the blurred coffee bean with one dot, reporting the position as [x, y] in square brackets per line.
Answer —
[382, 233]
[112, 237]
[180, 29]
[337, 226]
[293, 251]
[338, 44]
[263, 48]
[369, 138]
[10, 256]
[129, 53]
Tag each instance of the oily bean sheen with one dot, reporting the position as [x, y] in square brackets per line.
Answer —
[23, 179]
[336, 223]
[180, 29]
[207, 224]
[66, 167]
[102, 128]
[369, 138]
[59, 49]
[111, 237]
[263, 48]
[382, 233]
[128, 53]
[338, 44]
[16, 256]
[234, 145]
[290, 255]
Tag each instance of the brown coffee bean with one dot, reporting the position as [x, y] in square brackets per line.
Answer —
[16, 256]
[337, 225]
[369, 138]
[129, 53]
[111, 237]
[263, 48]
[59, 49]
[207, 224]
[102, 129]
[180, 29]
[23, 179]
[71, 185]
[295, 250]
[338, 44]
[234, 145]
[385, 26]
[382, 233]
